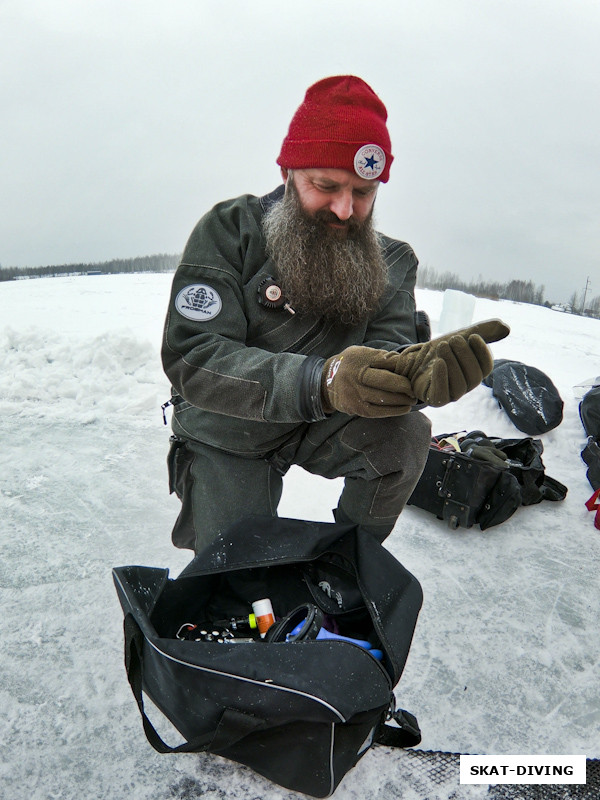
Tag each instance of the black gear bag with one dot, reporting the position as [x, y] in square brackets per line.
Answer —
[298, 709]
[474, 487]
[527, 394]
[589, 411]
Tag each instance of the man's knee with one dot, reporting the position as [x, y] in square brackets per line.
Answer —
[395, 452]
[392, 444]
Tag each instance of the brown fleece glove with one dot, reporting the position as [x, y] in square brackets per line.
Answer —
[361, 381]
[444, 369]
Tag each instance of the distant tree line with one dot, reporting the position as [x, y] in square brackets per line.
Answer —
[517, 290]
[427, 277]
[520, 291]
[156, 263]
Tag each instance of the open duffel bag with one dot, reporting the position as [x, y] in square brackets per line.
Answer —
[475, 486]
[299, 710]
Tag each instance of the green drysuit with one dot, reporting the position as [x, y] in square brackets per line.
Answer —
[245, 377]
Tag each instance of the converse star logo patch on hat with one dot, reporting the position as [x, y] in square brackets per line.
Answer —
[198, 302]
[369, 161]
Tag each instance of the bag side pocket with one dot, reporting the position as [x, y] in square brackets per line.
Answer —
[465, 487]
[502, 501]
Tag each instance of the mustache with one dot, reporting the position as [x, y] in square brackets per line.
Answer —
[325, 216]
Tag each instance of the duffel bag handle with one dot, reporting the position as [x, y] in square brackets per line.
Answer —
[134, 642]
[407, 734]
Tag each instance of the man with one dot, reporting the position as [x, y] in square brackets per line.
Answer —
[290, 336]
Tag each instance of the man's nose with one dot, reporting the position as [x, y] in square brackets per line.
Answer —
[342, 205]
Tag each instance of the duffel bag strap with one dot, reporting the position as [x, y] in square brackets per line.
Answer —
[134, 642]
[407, 734]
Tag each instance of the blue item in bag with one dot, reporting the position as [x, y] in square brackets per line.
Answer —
[325, 634]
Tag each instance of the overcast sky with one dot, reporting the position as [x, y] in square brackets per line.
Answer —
[123, 121]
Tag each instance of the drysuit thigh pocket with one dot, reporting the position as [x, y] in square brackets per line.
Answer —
[179, 462]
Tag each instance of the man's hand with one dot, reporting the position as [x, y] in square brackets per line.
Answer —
[362, 381]
[444, 369]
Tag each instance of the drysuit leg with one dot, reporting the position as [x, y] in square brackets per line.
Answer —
[380, 460]
[217, 489]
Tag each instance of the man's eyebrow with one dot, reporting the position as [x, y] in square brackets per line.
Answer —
[330, 184]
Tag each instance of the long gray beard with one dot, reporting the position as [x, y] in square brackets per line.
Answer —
[321, 273]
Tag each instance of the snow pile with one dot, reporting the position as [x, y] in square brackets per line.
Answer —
[84, 381]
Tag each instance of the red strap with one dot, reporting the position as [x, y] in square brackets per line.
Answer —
[593, 504]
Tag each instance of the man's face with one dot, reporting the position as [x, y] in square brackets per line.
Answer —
[327, 253]
[338, 198]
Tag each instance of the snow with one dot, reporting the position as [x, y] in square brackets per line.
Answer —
[505, 654]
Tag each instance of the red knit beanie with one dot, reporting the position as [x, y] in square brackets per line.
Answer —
[340, 124]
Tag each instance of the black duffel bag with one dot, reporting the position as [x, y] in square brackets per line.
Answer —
[299, 710]
[527, 394]
[465, 490]
[589, 411]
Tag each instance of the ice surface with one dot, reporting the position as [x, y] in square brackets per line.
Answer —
[507, 648]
